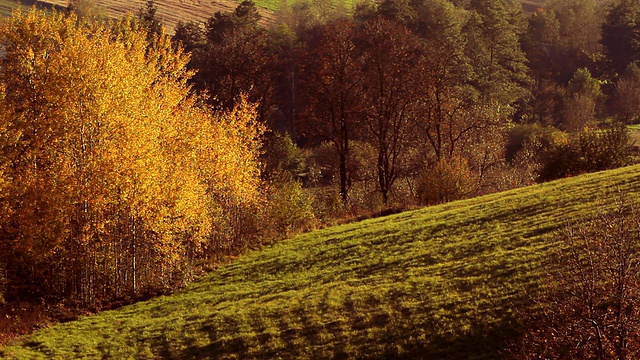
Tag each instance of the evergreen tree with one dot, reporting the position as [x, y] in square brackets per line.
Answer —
[234, 59]
[493, 34]
[621, 36]
[150, 20]
[563, 37]
[189, 35]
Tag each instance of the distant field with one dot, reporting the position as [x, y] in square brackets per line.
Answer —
[8, 6]
[634, 127]
[529, 6]
[634, 134]
[172, 11]
[442, 282]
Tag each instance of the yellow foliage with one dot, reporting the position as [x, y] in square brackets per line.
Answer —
[108, 160]
[450, 179]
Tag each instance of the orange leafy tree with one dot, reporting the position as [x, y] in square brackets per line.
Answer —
[114, 176]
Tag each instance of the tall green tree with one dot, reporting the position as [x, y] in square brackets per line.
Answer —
[499, 64]
[190, 35]
[402, 11]
[563, 37]
[150, 20]
[446, 74]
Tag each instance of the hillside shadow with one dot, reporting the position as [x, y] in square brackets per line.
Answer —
[484, 342]
[307, 333]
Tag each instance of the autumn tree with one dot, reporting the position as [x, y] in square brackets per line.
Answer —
[298, 25]
[116, 179]
[392, 64]
[333, 90]
[590, 307]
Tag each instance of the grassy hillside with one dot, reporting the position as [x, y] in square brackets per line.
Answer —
[440, 282]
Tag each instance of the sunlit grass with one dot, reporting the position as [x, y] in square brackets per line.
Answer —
[439, 282]
[634, 136]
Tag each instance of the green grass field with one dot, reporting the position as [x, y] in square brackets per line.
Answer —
[634, 130]
[634, 135]
[439, 282]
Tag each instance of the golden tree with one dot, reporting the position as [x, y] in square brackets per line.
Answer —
[114, 173]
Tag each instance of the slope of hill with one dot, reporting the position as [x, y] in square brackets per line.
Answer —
[439, 282]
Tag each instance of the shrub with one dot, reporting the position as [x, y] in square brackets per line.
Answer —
[530, 140]
[589, 151]
[361, 179]
[289, 208]
[451, 179]
[283, 159]
[590, 306]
